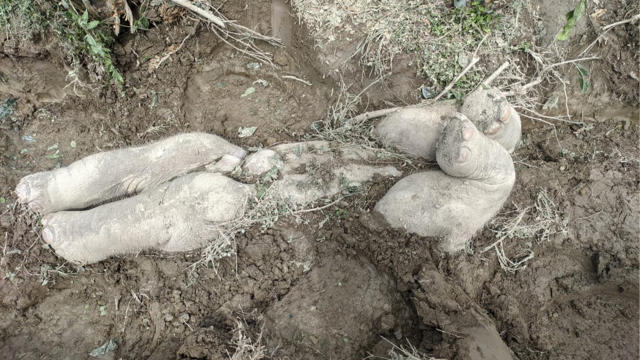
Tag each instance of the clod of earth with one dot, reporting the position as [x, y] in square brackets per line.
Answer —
[179, 192]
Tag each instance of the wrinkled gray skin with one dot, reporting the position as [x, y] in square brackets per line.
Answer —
[178, 195]
[186, 211]
[415, 130]
[475, 179]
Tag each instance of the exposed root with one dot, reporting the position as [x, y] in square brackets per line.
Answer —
[202, 12]
[239, 37]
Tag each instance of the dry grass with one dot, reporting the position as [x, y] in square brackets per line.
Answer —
[341, 125]
[441, 39]
[537, 222]
[245, 347]
[16, 254]
[399, 352]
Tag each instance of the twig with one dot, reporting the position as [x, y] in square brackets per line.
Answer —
[569, 62]
[495, 74]
[548, 117]
[632, 19]
[452, 83]
[372, 115]
[291, 77]
[317, 208]
[164, 58]
[605, 30]
[538, 79]
[202, 12]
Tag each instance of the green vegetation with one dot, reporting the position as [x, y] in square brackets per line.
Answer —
[455, 30]
[6, 109]
[583, 78]
[444, 37]
[572, 18]
[87, 41]
[23, 19]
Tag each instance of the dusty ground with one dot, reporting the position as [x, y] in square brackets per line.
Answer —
[335, 285]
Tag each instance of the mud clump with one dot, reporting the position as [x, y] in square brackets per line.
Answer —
[338, 309]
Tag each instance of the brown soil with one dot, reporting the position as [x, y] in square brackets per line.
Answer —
[332, 286]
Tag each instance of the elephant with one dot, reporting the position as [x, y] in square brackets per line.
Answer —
[170, 194]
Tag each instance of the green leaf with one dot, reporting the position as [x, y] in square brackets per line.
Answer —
[84, 19]
[93, 24]
[6, 109]
[572, 18]
[91, 41]
[117, 78]
[583, 78]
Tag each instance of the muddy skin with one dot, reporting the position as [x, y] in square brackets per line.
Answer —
[475, 170]
[476, 178]
[180, 213]
[106, 176]
[415, 130]
[184, 212]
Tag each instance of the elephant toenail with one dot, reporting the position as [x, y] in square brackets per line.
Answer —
[467, 132]
[22, 190]
[493, 128]
[464, 154]
[48, 235]
[506, 115]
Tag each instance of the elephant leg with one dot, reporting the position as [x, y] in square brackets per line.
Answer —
[179, 215]
[110, 175]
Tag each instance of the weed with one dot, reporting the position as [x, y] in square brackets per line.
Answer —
[442, 38]
[572, 18]
[87, 40]
[142, 23]
[23, 19]
[476, 17]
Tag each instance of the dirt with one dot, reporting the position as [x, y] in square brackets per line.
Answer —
[337, 285]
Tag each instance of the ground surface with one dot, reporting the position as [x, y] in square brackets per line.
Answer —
[577, 196]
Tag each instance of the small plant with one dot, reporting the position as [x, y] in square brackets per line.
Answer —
[90, 40]
[22, 19]
[6, 109]
[583, 78]
[475, 18]
[572, 18]
[85, 42]
[142, 23]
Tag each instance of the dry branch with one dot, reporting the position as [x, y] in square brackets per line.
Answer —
[633, 19]
[495, 74]
[454, 81]
[202, 12]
